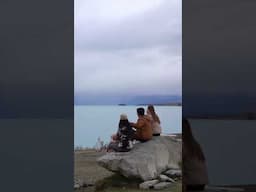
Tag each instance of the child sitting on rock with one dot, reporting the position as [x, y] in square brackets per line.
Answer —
[121, 141]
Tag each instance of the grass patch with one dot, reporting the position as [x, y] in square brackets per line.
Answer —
[118, 183]
[175, 188]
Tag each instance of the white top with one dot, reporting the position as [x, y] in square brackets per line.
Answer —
[156, 127]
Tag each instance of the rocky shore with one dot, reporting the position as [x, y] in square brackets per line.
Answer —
[156, 162]
[152, 165]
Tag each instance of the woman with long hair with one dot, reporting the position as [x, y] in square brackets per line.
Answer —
[195, 175]
[156, 127]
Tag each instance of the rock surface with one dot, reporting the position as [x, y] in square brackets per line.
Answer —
[164, 178]
[148, 184]
[76, 186]
[174, 173]
[146, 160]
[162, 185]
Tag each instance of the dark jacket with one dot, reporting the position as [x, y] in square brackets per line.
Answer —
[125, 133]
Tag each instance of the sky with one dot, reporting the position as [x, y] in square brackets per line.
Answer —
[128, 47]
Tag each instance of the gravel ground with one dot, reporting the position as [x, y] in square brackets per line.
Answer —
[87, 169]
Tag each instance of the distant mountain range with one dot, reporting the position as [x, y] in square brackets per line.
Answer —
[128, 100]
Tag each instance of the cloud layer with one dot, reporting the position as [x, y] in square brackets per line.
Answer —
[128, 48]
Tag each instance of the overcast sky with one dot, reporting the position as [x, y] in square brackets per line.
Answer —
[128, 47]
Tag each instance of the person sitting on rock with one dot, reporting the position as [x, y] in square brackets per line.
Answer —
[155, 121]
[122, 139]
[143, 126]
[195, 175]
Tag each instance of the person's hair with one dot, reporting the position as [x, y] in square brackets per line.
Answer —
[140, 111]
[153, 113]
[192, 146]
[124, 123]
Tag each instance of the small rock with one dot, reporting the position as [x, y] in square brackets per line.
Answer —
[76, 186]
[174, 173]
[162, 185]
[148, 184]
[165, 178]
[176, 179]
[77, 183]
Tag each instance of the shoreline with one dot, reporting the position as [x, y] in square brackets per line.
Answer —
[92, 149]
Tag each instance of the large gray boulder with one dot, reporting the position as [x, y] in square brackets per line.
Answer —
[146, 160]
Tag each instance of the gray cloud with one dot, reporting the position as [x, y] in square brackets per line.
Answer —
[128, 48]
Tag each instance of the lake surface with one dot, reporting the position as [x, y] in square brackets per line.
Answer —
[92, 122]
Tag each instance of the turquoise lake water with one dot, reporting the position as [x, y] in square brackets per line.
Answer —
[92, 122]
